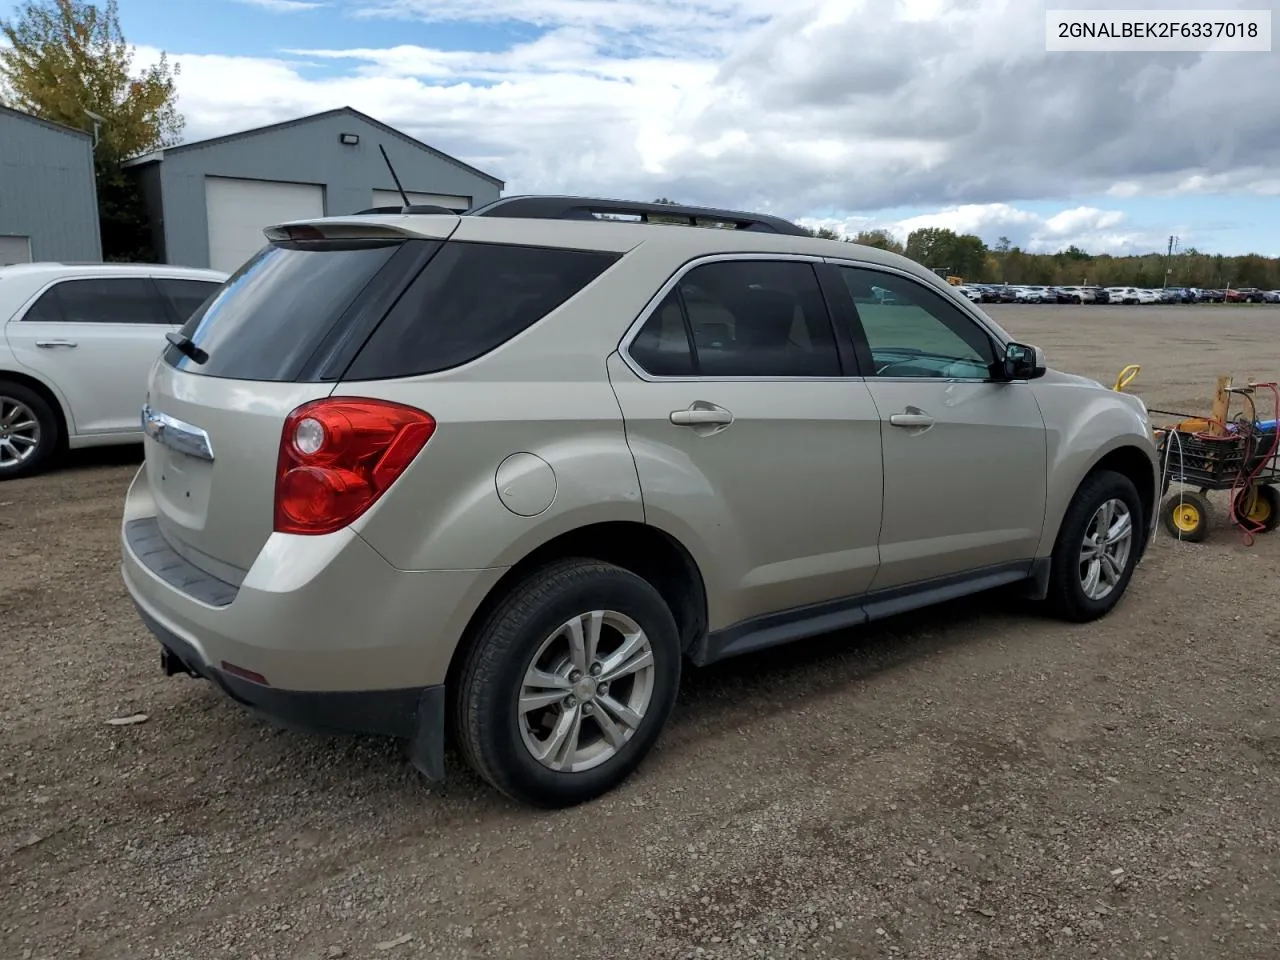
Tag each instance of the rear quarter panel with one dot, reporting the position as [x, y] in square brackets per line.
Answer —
[445, 512]
[1084, 422]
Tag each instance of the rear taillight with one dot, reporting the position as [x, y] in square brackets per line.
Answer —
[338, 456]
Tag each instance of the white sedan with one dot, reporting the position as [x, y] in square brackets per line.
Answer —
[76, 345]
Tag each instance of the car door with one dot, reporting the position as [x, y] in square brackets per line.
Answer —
[95, 337]
[964, 454]
[753, 446]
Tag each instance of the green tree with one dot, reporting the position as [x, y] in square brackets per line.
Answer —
[68, 61]
[941, 249]
[882, 239]
[931, 246]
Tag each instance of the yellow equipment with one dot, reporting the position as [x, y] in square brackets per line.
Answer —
[1127, 376]
[1217, 453]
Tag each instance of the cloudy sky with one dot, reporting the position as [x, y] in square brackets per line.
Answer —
[852, 113]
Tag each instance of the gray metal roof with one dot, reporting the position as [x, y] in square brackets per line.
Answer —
[158, 155]
[60, 127]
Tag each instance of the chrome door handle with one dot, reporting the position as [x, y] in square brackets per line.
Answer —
[701, 414]
[55, 343]
[917, 419]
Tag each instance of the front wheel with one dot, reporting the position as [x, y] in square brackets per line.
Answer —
[1098, 547]
[1186, 516]
[568, 683]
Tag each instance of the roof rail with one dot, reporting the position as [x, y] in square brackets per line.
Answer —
[593, 208]
[412, 208]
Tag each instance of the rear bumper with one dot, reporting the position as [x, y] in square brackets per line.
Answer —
[324, 614]
[340, 639]
[415, 715]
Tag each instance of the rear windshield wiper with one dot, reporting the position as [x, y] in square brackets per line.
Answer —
[184, 345]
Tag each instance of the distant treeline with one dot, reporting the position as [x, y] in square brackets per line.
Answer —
[966, 256]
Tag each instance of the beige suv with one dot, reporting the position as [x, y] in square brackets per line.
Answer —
[496, 476]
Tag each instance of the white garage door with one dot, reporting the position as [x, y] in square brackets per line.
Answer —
[391, 198]
[14, 250]
[238, 210]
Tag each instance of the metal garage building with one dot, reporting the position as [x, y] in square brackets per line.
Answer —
[209, 200]
[48, 198]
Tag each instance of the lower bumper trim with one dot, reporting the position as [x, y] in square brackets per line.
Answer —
[415, 715]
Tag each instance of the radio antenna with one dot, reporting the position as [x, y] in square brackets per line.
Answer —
[403, 196]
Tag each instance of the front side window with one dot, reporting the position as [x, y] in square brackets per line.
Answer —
[741, 318]
[914, 331]
[132, 300]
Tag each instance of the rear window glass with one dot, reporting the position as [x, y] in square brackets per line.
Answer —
[469, 299]
[268, 319]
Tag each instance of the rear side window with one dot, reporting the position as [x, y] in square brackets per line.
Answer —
[131, 300]
[46, 309]
[745, 318]
[186, 296]
[470, 299]
[268, 319]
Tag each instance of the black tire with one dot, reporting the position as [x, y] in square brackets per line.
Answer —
[49, 438]
[487, 719]
[1185, 516]
[1268, 505]
[1066, 597]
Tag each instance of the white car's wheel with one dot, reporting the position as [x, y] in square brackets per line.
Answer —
[28, 431]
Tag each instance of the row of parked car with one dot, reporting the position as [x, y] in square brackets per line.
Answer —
[1023, 293]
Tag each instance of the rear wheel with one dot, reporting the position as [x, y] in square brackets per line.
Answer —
[28, 431]
[1263, 512]
[1186, 515]
[1098, 547]
[568, 683]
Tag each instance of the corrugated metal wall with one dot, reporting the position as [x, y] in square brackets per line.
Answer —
[47, 190]
[306, 152]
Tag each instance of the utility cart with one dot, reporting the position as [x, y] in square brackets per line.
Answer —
[1222, 452]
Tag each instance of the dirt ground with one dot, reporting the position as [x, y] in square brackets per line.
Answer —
[970, 782]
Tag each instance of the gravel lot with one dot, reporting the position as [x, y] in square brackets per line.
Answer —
[974, 781]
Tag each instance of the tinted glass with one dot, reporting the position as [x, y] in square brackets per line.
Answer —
[662, 345]
[107, 300]
[268, 319]
[469, 299]
[913, 331]
[758, 318]
[186, 296]
[46, 309]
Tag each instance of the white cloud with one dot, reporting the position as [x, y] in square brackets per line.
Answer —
[284, 6]
[1092, 229]
[792, 106]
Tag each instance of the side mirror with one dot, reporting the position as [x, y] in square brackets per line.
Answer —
[1022, 362]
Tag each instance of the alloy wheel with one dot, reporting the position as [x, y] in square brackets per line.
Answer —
[586, 691]
[1104, 553]
[19, 432]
